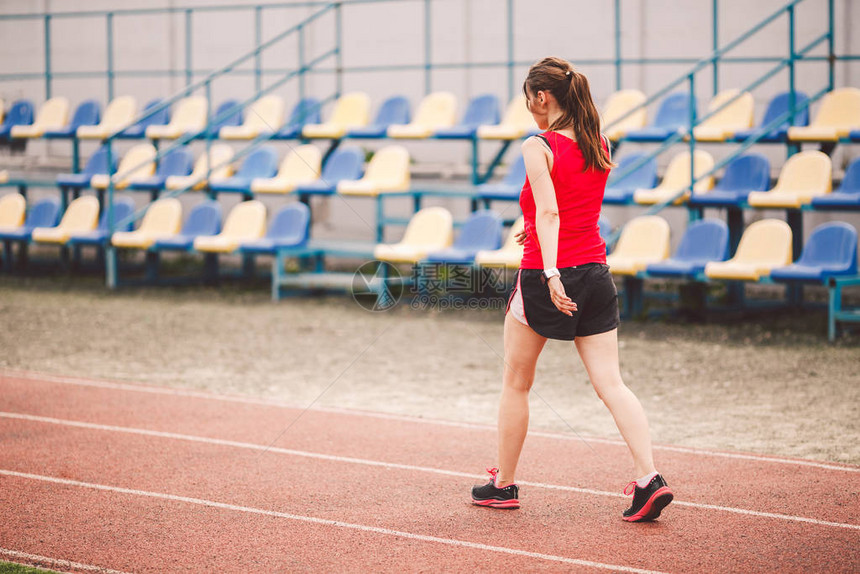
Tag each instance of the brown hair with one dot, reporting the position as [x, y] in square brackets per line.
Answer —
[571, 90]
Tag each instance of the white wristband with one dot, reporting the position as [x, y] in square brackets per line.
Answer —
[550, 273]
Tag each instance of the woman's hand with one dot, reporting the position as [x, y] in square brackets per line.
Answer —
[521, 237]
[559, 297]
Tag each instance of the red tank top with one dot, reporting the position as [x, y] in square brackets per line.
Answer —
[579, 195]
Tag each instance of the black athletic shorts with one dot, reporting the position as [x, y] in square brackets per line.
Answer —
[590, 286]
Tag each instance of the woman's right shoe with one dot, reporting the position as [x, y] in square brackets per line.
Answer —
[491, 496]
[648, 502]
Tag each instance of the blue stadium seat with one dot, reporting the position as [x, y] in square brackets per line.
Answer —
[482, 231]
[746, 173]
[45, 213]
[510, 187]
[204, 219]
[159, 118]
[97, 164]
[88, 113]
[344, 164]
[122, 208]
[604, 227]
[232, 112]
[672, 116]
[290, 227]
[482, 110]
[262, 162]
[848, 194]
[307, 111]
[394, 111]
[177, 161]
[620, 191]
[20, 114]
[704, 241]
[830, 251]
[775, 108]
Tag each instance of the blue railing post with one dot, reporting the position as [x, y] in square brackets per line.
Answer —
[208, 88]
[692, 78]
[792, 57]
[428, 48]
[47, 56]
[188, 70]
[258, 39]
[110, 251]
[617, 44]
[338, 51]
[716, 44]
[510, 63]
[831, 55]
[110, 70]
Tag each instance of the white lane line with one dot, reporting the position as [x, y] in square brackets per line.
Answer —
[55, 563]
[398, 466]
[327, 522]
[140, 388]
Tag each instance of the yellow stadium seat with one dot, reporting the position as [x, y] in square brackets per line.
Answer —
[511, 253]
[119, 113]
[431, 229]
[516, 123]
[82, 216]
[247, 221]
[644, 240]
[302, 165]
[264, 115]
[736, 116]
[2, 109]
[189, 117]
[142, 155]
[222, 169]
[351, 111]
[765, 244]
[437, 110]
[804, 176]
[618, 105]
[162, 219]
[4, 176]
[13, 210]
[53, 115]
[838, 115]
[677, 177]
[387, 171]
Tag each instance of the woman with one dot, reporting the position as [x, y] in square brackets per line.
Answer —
[564, 289]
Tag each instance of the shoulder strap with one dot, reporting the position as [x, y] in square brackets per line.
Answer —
[545, 141]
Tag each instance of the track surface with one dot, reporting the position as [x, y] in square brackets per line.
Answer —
[96, 476]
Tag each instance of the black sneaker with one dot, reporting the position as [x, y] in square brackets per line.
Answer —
[490, 495]
[648, 502]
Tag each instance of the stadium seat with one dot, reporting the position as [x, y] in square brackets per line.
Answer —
[13, 210]
[265, 115]
[119, 113]
[301, 166]
[838, 115]
[350, 111]
[45, 213]
[848, 194]
[510, 187]
[122, 208]
[394, 110]
[52, 115]
[388, 170]
[96, 164]
[436, 111]
[803, 177]
[204, 220]
[4, 175]
[615, 122]
[81, 216]
[672, 117]
[176, 162]
[189, 117]
[765, 245]
[481, 232]
[620, 191]
[162, 219]
[344, 164]
[430, 229]
[260, 163]
[221, 155]
[778, 106]
[307, 111]
[516, 123]
[290, 227]
[482, 110]
[511, 253]
[246, 222]
[677, 178]
[644, 240]
[830, 251]
[20, 114]
[703, 241]
[736, 114]
[230, 112]
[86, 114]
[604, 227]
[744, 174]
[136, 165]
[159, 118]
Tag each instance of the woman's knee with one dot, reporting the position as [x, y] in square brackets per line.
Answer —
[518, 379]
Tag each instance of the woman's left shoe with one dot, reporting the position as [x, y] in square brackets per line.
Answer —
[648, 502]
[492, 496]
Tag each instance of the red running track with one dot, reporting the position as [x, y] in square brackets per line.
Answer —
[97, 476]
